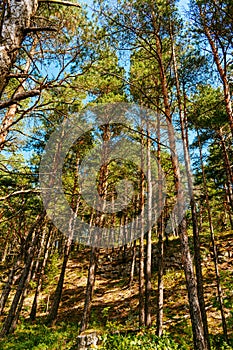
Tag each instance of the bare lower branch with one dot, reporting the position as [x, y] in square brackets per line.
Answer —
[19, 192]
[65, 3]
[19, 97]
[39, 29]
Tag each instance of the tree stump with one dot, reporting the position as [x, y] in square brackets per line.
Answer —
[87, 341]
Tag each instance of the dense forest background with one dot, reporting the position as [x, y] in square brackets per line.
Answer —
[164, 281]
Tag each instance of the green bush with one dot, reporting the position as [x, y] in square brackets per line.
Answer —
[140, 341]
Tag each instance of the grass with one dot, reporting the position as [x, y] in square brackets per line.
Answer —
[115, 307]
[39, 337]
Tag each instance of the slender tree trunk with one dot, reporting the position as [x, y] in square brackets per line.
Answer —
[228, 205]
[222, 70]
[12, 315]
[58, 293]
[40, 277]
[148, 240]
[195, 313]
[196, 237]
[8, 286]
[218, 282]
[4, 255]
[68, 243]
[21, 301]
[133, 262]
[141, 248]
[103, 191]
[36, 265]
[90, 288]
[160, 290]
[229, 174]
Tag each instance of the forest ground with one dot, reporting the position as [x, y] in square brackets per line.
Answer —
[115, 304]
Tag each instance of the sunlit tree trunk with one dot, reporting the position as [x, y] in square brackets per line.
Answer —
[148, 238]
[16, 18]
[215, 254]
[23, 282]
[196, 237]
[160, 289]
[40, 277]
[141, 246]
[68, 243]
[90, 288]
[9, 117]
[229, 174]
[222, 68]
[195, 312]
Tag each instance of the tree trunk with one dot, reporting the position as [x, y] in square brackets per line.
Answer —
[10, 282]
[221, 70]
[90, 288]
[12, 315]
[228, 207]
[11, 112]
[229, 174]
[40, 277]
[148, 239]
[58, 293]
[215, 254]
[195, 313]
[68, 244]
[141, 247]
[16, 18]
[196, 237]
[160, 289]
[133, 262]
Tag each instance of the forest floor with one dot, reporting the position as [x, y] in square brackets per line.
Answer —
[115, 303]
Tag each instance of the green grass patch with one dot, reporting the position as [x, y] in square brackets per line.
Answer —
[41, 337]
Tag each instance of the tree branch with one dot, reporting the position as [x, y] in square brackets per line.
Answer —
[65, 3]
[19, 192]
[19, 97]
[39, 29]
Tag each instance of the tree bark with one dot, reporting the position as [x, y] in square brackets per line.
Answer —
[222, 70]
[11, 112]
[133, 261]
[12, 315]
[148, 240]
[8, 286]
[229, 174]
[195, 313]
[68, 244]
[141, 247]
[40, 277]
[215, 254]
[160, 289]
[17, 17]
[90, 288]
[196, 236]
